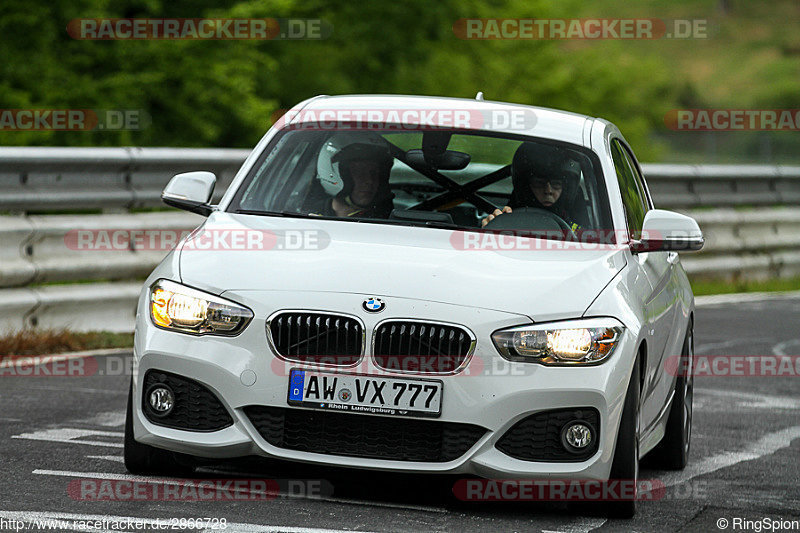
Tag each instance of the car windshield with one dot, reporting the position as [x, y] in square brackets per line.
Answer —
[436, 178]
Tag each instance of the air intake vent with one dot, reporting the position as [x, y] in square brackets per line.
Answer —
[376, 437]
[421, 347]
[320, 338]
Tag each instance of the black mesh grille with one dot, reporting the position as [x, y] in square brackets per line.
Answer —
[317, 337]
[538, 437]
[196, 408]
[420, 346]
[376, 437]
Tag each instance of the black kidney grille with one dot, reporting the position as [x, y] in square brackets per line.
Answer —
[369, 436]
[420, 346]
[538, 437]
[317, 337]
[196, 408]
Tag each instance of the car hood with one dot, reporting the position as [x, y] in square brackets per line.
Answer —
[233, 252]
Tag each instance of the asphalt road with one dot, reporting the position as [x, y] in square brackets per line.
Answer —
[745, 458]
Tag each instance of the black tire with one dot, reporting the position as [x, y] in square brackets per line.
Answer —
[625, 466]
[672, 453]
[142, 459]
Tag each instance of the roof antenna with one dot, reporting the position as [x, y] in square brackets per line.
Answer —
[479, 96]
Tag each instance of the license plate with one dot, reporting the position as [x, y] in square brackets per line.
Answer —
[365, 394]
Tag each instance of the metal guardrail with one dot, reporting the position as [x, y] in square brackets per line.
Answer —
[49, 179]
[741, 244]
[757, 244]
[44, 248]
[691, 186]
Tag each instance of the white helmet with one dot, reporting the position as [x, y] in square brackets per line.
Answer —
[329, 174]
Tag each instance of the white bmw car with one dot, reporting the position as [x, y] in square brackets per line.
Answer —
[419, 284]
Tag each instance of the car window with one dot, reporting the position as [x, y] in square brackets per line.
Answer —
[633, 195]
[383, 175]
[637, 175]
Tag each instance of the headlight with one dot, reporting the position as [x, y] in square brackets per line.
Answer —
[574, 342]
[179, 308]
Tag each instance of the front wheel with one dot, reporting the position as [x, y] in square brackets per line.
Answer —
[672, 453]
[625, 467]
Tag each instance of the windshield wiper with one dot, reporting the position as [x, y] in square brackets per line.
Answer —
[311, 216]
[445, 225]
[441, 224]
[269, 213]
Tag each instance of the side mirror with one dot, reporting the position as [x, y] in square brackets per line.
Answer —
[191, 191]
[668, 231]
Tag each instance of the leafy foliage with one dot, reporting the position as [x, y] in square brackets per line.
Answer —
[222, 93]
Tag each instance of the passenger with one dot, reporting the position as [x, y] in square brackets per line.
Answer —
[358, 179]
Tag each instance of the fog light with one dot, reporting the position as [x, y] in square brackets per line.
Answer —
[577, 436]
[161, 399]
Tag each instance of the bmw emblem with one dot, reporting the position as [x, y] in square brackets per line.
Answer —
[373, 305]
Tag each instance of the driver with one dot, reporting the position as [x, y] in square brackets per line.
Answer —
[359, 180]
[543, 176]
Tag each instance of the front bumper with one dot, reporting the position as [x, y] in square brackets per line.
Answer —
[489, 392]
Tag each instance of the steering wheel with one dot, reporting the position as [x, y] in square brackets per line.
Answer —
[530, 218]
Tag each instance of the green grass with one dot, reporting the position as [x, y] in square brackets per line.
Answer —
[750, 51]
[706, 287]
[750, 60]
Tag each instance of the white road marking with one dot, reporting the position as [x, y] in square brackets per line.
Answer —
[72, 436]
[232, 527]
[719, 299]
[113, 477]
[780, 348]
[582, 525]
[766, 445]
[752, 400]
[706, 347]
[108, 419]
[165, 480]
[115, 458]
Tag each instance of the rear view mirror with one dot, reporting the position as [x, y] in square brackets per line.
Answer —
[191, 191]
[668, 231]
[447, 160]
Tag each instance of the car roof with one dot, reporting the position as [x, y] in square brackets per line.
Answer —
[483, 115]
